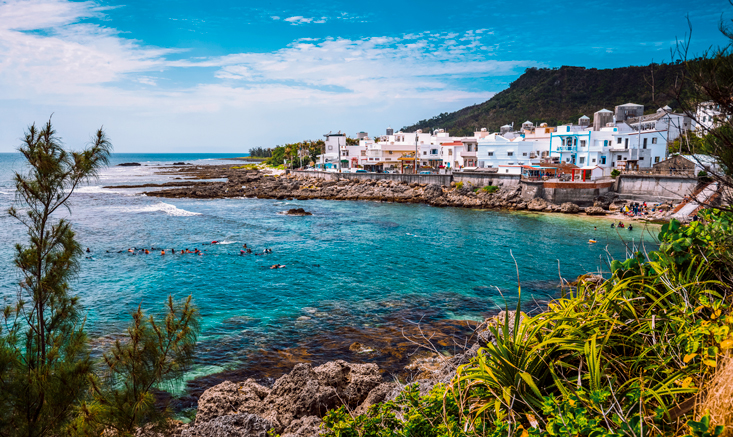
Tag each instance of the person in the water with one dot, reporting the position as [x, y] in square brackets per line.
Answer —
[88, 250]
[631, 227]
[162, 252]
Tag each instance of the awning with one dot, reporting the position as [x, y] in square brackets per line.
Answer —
[402, 158]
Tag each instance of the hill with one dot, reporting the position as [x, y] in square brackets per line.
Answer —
[562, 95]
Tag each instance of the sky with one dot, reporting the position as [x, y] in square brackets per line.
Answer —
[225, 76]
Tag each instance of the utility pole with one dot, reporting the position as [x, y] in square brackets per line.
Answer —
[416, 136]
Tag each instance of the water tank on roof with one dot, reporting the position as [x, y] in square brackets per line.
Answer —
[602, 118]
[584, 121]
[390, 131]
[506, 128]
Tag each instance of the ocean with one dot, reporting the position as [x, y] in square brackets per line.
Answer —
[362, 272]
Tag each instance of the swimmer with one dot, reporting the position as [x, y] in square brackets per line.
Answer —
[613, 225]
[200, 253]
[162, 252]
[130, 250]
[631, 227]
[147, 252]
[214, 242]
[245, 246]
[241, 252]
[275, 266]
[88, 250]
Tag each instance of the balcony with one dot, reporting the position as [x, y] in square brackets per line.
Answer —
[566, 148]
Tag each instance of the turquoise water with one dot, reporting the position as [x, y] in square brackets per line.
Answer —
[352, 266]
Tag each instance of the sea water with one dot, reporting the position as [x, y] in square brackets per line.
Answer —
[350, 268]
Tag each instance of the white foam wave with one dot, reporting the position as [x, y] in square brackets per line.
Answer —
[167, 208]
[95, 190]
[227, 242]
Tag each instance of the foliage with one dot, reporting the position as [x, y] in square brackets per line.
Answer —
[260, 152]
[459, 185]
[43, 351]
[703, 428]
[490, 189]
[615, 173]
[155, 353]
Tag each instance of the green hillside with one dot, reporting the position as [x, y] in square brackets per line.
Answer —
[562, 95]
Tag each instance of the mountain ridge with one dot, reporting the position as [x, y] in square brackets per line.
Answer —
[562, 95]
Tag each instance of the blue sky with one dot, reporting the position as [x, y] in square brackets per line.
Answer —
[224, 76]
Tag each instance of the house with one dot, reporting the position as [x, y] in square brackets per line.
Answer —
[707, 117]
[675, 165]
[331, 158]
[497, 150]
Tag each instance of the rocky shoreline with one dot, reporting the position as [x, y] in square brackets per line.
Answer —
[254, 183]
[297, 401]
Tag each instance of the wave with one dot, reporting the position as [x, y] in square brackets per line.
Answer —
[167, 208]
[227, 242]
[95, 190]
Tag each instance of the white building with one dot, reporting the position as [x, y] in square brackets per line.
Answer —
[508, 150]
[708, 117]
[331, 158]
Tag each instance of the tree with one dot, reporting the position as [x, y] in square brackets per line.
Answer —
[44, 360]
[708, 79]
[156, 353]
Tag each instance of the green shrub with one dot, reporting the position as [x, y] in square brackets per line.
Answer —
[615, 173]
[459, 185]
[490, 189]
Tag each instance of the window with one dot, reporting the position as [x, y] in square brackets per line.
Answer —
[524, 154]
[645, 143]
[345, 153]
[618, 140]
[641, 158]
[582, 143]
[593, 160]
[433, 151]
[626, 144]
[424, 153]
[582, 160]
[618, 158]
[605, 143]
[390, 152]
[575, 142]
[603, 160]
[491, 153]
[450, 152]
[509, 153]
[654, 140]
[656, 159]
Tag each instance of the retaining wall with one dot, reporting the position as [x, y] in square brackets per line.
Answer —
[661, 187]
[482, 179]
[579, 193]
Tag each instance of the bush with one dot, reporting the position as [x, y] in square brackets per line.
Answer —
[490, 189]
[615, 173]
[703, 176]
[459, 185]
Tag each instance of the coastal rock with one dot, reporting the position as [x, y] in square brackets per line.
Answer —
[569, 208]
[230, 398]
[233, 425]
[129, 164]
[378, 394]
[309, 426]
[181, 163]
[537, 204]
[308, 391]
[595, 210]
[432, 191]
[298, 211]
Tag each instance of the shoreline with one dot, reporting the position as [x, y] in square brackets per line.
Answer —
[274, 184]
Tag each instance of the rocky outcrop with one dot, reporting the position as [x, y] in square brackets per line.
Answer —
[129, 164]
[595, 210]
[230, 398]
[569, 208]
[294, 404]
[537, 204]
[232, 425]
[297, 211]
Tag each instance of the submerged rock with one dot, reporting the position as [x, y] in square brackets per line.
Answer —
[129, 164]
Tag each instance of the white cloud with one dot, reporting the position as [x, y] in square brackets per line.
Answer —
[72, 66]
[299, 19]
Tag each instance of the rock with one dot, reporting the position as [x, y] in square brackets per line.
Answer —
[595, 210]
[129, 164]
[378, 394]
[432, 191]
[298, 211]
[233, 425]
[537, 204]
[181, 163]
[569, 208]
[230, 398]
[589, 278]
[309, 426]
[353, 382]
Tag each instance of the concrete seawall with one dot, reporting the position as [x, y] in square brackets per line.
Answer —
[629, 187]
[662, 187]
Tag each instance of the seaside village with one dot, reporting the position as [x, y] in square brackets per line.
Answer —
[624, 139]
